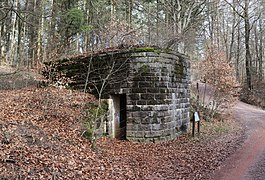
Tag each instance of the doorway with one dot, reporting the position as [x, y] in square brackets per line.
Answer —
[119, 115]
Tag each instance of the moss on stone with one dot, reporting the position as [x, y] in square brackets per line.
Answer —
[179, 69]
[145, 49]
[144, 68]
[167, 50]
[151, 49]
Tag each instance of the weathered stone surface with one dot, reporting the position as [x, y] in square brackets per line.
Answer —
[157, 88]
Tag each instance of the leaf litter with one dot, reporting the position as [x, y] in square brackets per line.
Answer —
[40, 138]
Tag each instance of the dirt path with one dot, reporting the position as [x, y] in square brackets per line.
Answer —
[248, 162]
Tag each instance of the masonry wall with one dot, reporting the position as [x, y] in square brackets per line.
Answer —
[157, 89]
[156, 84]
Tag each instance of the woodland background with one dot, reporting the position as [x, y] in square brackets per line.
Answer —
[34, 31]
[227, 35]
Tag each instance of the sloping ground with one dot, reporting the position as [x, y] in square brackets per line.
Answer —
[256, 96]
[40, 133]
[11, 78]
[40, 138]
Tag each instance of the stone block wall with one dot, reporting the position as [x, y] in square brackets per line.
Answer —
[158, 92]
[156, 83]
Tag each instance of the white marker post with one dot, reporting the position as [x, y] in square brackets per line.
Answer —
[196, 118]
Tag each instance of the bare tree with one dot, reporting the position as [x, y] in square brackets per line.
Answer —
[244, 13]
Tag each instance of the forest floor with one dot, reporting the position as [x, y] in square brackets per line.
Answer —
[40, 138]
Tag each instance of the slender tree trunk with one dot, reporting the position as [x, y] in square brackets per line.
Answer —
[128, 11]
[25, 50]
[2, 45]
[247, 44]
[32, 33]
[225, 36]
[261, 50]
[149, 23]
[113, 9]
[157, 22]
[256, 44]
[12, 45]
[40, 29]
[238, 53]
[19, 27]
[232, 36]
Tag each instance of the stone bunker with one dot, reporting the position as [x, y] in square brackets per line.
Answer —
[147, 89]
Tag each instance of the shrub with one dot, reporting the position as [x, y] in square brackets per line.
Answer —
[221, 86]
[93, 118]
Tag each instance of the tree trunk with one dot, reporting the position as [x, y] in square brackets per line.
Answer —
[2, 45]
[232, 35]
[19, 27]
[247, 41]
[32, 33]
[39, 29]
[128, 11]
[238, 53]
[260, 50]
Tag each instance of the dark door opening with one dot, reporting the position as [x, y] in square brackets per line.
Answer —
[123, 116]
[119, 116]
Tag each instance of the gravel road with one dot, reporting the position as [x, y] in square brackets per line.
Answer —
[248, 163]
